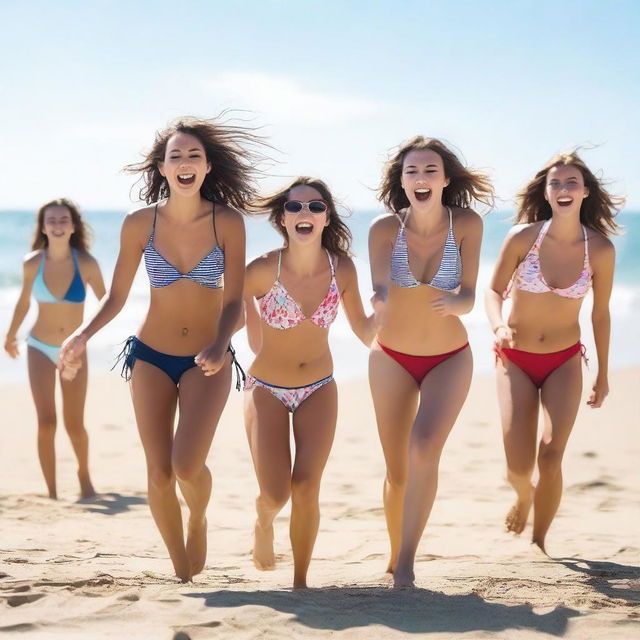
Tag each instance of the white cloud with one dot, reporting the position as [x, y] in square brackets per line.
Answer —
[282, 100]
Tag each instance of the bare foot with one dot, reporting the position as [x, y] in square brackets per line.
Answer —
[403, 579]
[516, 519]
[299, 584]
[263, 555]
[539, 544]
[197, 544]
[86, 488]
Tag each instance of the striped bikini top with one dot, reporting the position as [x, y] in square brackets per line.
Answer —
[528, 275]
[449, 274]
[76, 292]
[207, 273]
[280, 311]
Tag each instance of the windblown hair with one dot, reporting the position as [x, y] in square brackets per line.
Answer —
[597, 210]
[80, 238]
[231, 150]
[336, 236]
[465, 185]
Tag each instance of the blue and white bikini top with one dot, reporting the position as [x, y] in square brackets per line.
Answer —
[207, 273]
[449, 274]
[76, 292]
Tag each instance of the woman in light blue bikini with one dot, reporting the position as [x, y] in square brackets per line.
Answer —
[424, 256]
[197, 177]
[56, 273]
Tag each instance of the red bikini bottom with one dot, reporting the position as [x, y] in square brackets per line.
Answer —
[419, 366]
[538, 366]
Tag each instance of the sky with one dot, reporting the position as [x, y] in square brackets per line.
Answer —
[333, 85]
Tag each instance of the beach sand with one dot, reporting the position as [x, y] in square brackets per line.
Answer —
[99, 569]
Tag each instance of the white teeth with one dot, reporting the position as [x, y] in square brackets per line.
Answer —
[186, 176]
[565, 199]
[423, 190]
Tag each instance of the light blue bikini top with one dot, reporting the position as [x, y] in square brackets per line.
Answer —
[207, 273]
[76, 292]
[449, 274]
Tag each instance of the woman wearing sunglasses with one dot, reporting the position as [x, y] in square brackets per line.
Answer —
[297, 289]
[424, 263]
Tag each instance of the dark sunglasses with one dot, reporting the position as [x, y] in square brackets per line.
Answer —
[315, 207]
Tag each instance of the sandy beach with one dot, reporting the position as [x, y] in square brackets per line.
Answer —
[99, 569]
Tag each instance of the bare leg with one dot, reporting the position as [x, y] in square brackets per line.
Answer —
[201, 401]
[154, 401]
[267, 424]
[518, 398]
[314, 426]
[395, 399]
[74, 393]
[442, 394]
[42, 378]
[560, 401]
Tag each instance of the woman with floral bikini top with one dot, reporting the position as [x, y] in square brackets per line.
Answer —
[548, 265]
[297, 290]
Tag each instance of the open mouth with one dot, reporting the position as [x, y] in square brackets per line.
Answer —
[304, 228]
[422, 195]
[564, 202]
[186, 178]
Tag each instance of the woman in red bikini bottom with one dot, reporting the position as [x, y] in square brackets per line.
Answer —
[424, 258]
[548, 263]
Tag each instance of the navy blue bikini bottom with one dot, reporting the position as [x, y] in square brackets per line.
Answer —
[174, 366]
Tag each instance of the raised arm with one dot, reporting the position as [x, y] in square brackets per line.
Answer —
[363, 326]
[29, 269]
[602, 263]
[132, 238]
[232, 240]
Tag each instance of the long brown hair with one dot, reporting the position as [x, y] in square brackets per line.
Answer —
[597, 210]
[336, 236]
[465, 184]
[231, 150]
[79, 239]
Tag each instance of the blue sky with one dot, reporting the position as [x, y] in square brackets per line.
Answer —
[334, 84]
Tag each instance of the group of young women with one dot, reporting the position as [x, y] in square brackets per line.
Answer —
[198, 179]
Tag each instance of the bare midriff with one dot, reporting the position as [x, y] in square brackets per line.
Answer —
[410, 326]
[182, 318]
[56, 321]
[293, 357]
[544, 322]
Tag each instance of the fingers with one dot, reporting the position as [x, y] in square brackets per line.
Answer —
[596, 398]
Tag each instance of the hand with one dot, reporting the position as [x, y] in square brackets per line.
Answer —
[505, 337]
[599, 392]
[444, 305]
[11, 346]
[70, 358]
[211, 359]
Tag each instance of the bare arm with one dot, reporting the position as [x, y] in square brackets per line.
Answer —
[363, 326]
[252, 317]
[603, 266]
[95, 281]
[131, 248]
[461, 302]
[211, 358]
[506, 264]
[29, 269]
[380, 248]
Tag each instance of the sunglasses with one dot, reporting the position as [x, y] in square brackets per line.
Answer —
[315, 207]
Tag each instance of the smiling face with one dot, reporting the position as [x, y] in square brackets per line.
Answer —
[305, 226]
[423, 177]
[57, 224]
[185, 164]
[565, 189]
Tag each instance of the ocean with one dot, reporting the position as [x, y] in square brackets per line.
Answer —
[350, 356]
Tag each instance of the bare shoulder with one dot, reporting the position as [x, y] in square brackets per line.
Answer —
[263, 262]
[344, 266]
[228, 216]
[139, 220]
[32, 260]
[85, 258]
[524, 234]
[261, 272]
[600, 247]
[384, 224]
[466, 219]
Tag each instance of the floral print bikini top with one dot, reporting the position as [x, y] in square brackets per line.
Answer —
[528, 276]
[280, 311]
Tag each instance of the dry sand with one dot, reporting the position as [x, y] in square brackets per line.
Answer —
[99, 569]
